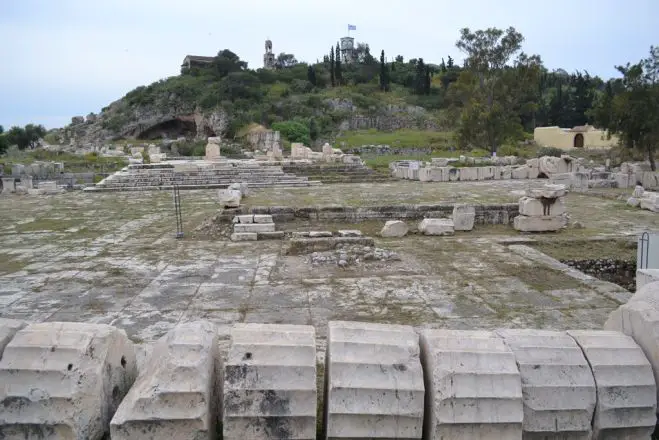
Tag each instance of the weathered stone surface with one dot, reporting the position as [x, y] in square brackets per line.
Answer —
[394, 228]
[243, 219]
[626, 390]
[520, 172]
[64, 380]
[541, 207]
[240, 186]
[473, 386]
[8, 328]
[244, 236]
[212, 151]
[558, 388]
[650, 201]
[350, 233]
[318, 234]
[270, 383]
[463, 217]
[262, 218]
[276, 235]
[538, 224]
[229, 198]
[254, 227]
[177, 394]
[468, 173]
[374, 382]
[548, 192]
[436, 226]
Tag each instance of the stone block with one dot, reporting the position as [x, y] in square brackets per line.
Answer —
[485, 173]
[240, 186]
[318, 234]
[505, 173]
[626, 390]
[473, 387]
[534, 173]
[650, 201]
[350, 233]
[8, 328]
[277, 235]
[270, 382]
[463, 217]
[558, 388]
[244, 236]
[212, 152]
[624, 180]
[454, 174]
[547, 192]
[229, 198]
[243, 219]
[394, 228]
[178, 391]
[64, 380]
[468, 173]
[374, 382]
[541, 207]
[436, 226]
[262, 218]
[524, 223]
[254, 227]
[424, 174]
[520, 172]
[439, 161]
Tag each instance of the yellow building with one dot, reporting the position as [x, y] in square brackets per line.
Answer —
[585, 136]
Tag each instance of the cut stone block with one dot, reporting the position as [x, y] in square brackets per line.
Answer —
[277, 235]
[463, 217]
[541, 207]
[520, 172]
[394, 228]
[262, 218]
[626, 390]
[270, 383]
[243, 219]
[318, 234]
[650, 201]
[64, 380]
[436, 226]
[244, 236]
[229, 198]
[8, 328]
[468, 173]
[299, 234]
[524, 223]
[558, 388]
[547, 191]
[254, 227]
[350, 233]
[374, 382]
[473, 387]
[177, 393]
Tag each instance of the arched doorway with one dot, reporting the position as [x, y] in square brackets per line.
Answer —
[578, 140]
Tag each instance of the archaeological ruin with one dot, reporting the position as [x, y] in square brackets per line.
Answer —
[297, 293]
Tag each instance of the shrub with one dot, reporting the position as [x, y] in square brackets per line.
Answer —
[293, 131]
[507, 150]
[550, 151]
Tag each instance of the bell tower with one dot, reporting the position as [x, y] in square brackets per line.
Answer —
[268, 57]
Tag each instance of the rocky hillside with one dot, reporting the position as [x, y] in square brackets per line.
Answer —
[222, 98]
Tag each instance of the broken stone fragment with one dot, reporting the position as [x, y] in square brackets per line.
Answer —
[394, 228]
[436, 226]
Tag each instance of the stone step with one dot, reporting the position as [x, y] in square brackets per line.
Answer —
[254, 227]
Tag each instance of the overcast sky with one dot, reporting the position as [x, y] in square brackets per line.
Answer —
[62, 58]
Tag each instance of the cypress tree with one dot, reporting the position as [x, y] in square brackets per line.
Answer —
[331, 61]
[337, 70]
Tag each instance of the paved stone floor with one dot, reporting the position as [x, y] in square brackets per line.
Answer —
[112, 258]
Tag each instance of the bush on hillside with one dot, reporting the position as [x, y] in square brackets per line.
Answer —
[550, 151]
[293, 131]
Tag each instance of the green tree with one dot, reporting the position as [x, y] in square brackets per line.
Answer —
[4, 144]
[337, 69]
[314, 130]
[27, 137]
[227, 62]
[285, 60]
[332, 67]
[293, 131]
[489, 114]
[311, 75]
[633, 113]
[385, 79]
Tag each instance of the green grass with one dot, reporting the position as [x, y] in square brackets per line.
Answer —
[400, 138]
[73, 163]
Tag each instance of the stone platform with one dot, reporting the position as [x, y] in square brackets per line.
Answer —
[198, 175]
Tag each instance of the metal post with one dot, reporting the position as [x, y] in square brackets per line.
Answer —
[177, 211]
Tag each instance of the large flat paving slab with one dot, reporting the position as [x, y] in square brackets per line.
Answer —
[113, 258]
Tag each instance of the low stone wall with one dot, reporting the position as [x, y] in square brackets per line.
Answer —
[494, 214]
[380, 381]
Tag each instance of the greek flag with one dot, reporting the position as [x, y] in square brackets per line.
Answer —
[352, 27]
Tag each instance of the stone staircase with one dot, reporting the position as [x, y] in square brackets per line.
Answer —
[337, 173]
[254, 227]
[199, 175]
